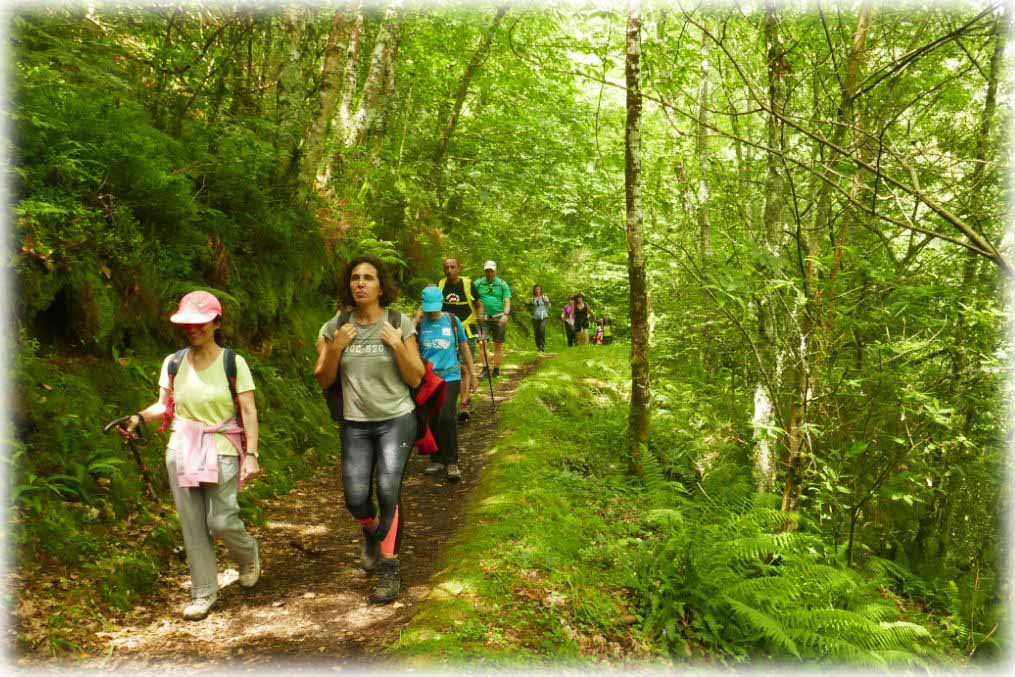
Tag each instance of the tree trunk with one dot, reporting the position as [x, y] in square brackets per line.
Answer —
[639, 414]
[701, 146]
[810, 359]
[777, 67]
[343, 118]
[373, 86]
[448, 126]
[289, 88]
[935, 518]
[376, 131]
[764, 460]
[350, 81]
[316, 137]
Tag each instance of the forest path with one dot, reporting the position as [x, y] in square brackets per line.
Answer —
[311, 607]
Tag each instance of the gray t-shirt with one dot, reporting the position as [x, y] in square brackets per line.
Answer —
[540, 307]
[372, 387]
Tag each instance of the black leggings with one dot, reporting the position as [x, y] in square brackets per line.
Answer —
[539, 333]
[384, 445]
[569, 330]
[446, 429]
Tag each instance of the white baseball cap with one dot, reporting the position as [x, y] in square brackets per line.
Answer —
[490, 265]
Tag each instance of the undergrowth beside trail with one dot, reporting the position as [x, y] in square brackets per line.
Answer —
[567, 557]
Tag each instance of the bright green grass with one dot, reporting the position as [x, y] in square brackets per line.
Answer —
[533, 575]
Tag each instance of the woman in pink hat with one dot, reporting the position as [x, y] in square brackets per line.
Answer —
[208, 394]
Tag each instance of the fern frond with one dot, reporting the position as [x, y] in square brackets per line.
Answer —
[878, 611]
[653, 478]
[757, 547]
[770, 590]
[665, 517]
[826, 582]
[771, 519]
[769, 627]
[904, 632]
[899, 656]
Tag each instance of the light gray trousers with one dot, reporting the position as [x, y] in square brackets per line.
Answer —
[208, 512]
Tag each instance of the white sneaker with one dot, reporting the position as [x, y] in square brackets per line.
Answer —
[251, 573]
[199, 608]
[454, 474]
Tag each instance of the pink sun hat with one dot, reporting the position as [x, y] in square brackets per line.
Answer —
[197, 307]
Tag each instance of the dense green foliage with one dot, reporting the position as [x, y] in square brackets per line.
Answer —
[568, 557]
[822, 203]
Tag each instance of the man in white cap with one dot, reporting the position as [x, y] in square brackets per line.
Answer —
[495, 299]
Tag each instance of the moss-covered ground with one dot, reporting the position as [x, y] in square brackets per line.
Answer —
[533, 576]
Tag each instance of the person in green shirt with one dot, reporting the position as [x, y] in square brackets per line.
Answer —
[495, 301]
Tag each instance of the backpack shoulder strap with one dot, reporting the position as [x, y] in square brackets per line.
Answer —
[174, 364]
[171, 371]
[334, 323]
[394, 318]
[230, 363]
[440, 283]
[467, 285]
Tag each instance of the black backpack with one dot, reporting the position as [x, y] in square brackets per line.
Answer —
[230, 364]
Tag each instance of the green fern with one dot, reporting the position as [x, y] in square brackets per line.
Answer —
[767, 584]
[653, 478]
[770, 628]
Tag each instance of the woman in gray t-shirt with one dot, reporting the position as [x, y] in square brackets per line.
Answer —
[377, 362]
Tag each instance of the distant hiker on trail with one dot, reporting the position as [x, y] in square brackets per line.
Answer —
[567, 317]
[495, 299]
[540, 305]
[582, 313]
[599, 332]
[375, 355]
[442, 341]
[607, 331]
[462, 299]
[208, 394]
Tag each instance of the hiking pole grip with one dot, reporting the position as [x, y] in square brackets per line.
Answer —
[118, 422]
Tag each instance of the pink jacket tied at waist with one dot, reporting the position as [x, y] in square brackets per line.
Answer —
[197, 454]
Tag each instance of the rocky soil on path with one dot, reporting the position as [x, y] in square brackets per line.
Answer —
[311, 608]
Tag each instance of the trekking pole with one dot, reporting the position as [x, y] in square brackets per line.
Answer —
[122, 423]
[489, 378]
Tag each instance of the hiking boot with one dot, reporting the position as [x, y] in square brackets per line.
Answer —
[484, 374]
[251, 573]
[454, 474]
[199, 608]
[464, 411]
[496, 372]
[389, 581]
[433, 468]
[370, 550]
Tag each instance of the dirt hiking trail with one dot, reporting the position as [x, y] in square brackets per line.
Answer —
[311, 607]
